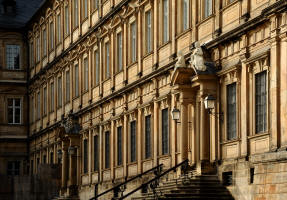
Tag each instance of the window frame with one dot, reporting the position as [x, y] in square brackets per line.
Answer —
[233, 112]
[13, 110]
[107, 160]
[68, 86]
[6, 56]
[148, 35]
[59, 92]
[133, 41]
[119, 146]
[165, 125]
[165, 29]
[67, 20]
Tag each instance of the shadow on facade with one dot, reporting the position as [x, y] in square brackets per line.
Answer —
[42, 186]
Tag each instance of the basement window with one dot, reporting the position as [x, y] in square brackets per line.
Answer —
[251, 175]
[227, 178]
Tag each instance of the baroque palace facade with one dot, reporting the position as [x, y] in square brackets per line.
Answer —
[105, 76]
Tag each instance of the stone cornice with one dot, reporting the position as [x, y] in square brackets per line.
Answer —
[82, 38]
[242, 29]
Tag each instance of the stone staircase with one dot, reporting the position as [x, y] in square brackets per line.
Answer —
[190, 188]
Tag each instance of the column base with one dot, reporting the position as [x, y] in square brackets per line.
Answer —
[72, 191]
[206, 167]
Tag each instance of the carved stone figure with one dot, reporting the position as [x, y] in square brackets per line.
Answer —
[197, 59]
[71, 125]
[180, 60]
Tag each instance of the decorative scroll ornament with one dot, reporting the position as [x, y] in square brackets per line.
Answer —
[196, 59]
[71, 125]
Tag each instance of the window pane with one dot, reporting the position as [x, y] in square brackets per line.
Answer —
[31, 54]
[38, 48]
[185, 14]
[165, 20]
[13, 56]
[107, 60]
[107, 149]
[76, 80]
[67, 20]
[67, 86]
[207, 8]
[58, 28]
[165, 140]
[85, 156]
[260, 102]
[120, 51]
[76, 17]
[38, 106]
[86, 74]
[231, 111]
[133, 141]
[51, 35]
[97, 71]
[133, 44]
[96, 154]
[60, 91]
[148, 32]
[44, 42]
[85, 6]
[51, 157]
[148, 136]
[52, 97]
[119, 144]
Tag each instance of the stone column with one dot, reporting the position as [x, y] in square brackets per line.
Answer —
[204, 136]
[274, 84]
[184, 131]
[283, 92]
[244, 109]
[65, 145]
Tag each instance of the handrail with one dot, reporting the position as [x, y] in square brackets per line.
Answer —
[144, 185]
[117, 187]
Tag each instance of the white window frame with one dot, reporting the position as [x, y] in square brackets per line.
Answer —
[14, 108]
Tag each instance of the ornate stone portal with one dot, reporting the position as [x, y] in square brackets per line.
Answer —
[70, 137]
[192, 83]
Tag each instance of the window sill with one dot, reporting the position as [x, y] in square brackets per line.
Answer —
[131, 64]
[228, 5]
[119, 72]
[182, 33]
[107, 79]
[147, 55]
[205, 19]
[230, 141]
[76, 97]
[256, 135]
[163, 45]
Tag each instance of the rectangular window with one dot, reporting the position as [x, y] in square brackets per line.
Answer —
[32, 167]
[148, 136]
[107, 149]
[76, 13]
[13, 56]
[119, 145]
[38, 48]
[32, 109]
[260, 102]
[51, 157]
[97, 68]
[60, 91]
[44, 159]
[85, 156]
[51, 35]
[95, 4]
[67, 21]
[133, 141]
[148, 32]
[133, 42]
[207, 8]
[76, 80]
[14, 111]
[96, 154]
[67, 86]
[107, 74]
[45, 100]
[185, 9]
[13, 168]
[165, 140]
[52, 97]
[59, 28]
[44, 42]
[31, 54]
[85, 8]
[38, 105]
[231, 111]
[165, 21]
[120, 51]
[86, 74]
